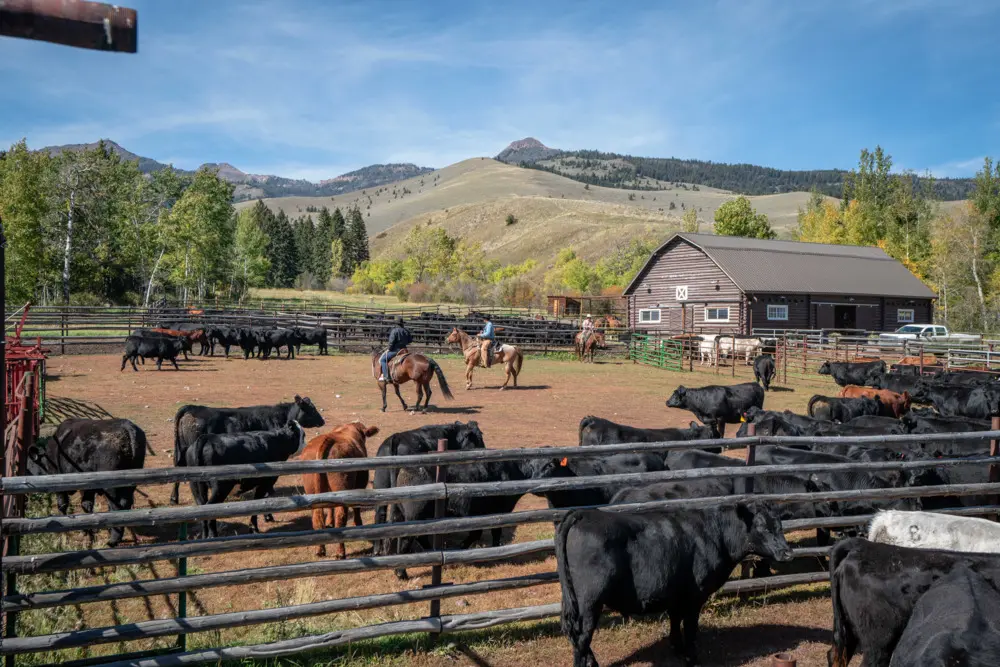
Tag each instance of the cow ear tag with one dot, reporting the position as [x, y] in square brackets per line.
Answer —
[562, 464]
[743, 419]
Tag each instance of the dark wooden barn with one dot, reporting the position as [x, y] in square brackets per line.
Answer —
[703, 282]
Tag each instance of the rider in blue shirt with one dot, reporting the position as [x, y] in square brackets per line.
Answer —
[486, 338]
[399, 338]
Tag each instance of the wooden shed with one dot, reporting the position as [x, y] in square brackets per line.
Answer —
[703, 282]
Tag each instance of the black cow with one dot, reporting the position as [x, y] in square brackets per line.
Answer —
[618, 464]
[226, 337]
[895, 383]
[597, 431]
[695, 488]
[275, 339]
[844, 373]
[963, 378]
[980, 402]
[461, 506]
[763, 370]
[161, 348]
[92, 445]
[311, 336]
[655, 562]
[423, 440]
[247, 339]
[193, 421]
[874, 588]
[718, 405]
[830, 408]
[219, 449]
[957, 621]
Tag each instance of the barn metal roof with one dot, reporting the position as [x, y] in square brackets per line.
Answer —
[757, 265]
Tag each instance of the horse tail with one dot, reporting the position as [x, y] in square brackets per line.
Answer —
[441, 381]
[517, 362]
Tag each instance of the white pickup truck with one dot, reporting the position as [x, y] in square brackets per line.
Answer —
[926, 332]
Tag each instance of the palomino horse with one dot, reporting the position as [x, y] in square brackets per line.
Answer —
[509, 355]
[406, 367]
[610, 322]
[584, 350]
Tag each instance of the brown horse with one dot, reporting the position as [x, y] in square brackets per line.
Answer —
[509, 355]
[405, 367]
[583, 350]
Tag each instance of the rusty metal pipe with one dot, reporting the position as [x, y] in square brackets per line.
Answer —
[79, 23]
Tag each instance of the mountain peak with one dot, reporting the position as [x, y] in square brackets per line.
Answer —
[528, 149]
[527, 142]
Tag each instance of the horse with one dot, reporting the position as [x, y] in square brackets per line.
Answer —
[508, 354]
[407, 366]
[583, 350]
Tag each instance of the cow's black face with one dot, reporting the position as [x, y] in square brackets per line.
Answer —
[305, 413]
[767, 539]
[676, 399]
[825, 368]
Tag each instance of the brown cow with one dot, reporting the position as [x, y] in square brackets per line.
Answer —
[343, 442]
[893, 404]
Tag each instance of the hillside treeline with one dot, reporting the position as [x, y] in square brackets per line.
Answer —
[625, 171]
[88, 228]
[956, 252]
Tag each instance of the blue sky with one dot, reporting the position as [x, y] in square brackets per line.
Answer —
[313, 89]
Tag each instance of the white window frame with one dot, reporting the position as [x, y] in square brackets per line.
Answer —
[717, 308]
[650, 320]
[779, 307]
[901, 319]
[681, 292]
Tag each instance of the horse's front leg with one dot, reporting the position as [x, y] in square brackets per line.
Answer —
[468, 375]
[398, 395]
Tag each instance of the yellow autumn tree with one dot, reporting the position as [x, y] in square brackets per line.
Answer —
[820, 222]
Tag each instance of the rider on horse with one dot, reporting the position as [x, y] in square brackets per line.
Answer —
[486, 337]
[399, 338]
[588, 329]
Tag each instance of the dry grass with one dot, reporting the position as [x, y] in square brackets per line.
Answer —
[484, 189]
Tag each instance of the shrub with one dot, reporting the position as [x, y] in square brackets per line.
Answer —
[419, 292]
[511, 219]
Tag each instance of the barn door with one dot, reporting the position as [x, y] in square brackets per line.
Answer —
[824, 316]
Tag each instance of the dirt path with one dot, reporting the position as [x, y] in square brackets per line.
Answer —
[545, 411]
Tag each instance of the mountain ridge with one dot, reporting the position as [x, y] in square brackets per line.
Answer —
[617, 170]
[253, 186]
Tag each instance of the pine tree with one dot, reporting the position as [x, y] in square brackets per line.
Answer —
[322, 248]
[339, 226]
[355, 243]
[304, 234]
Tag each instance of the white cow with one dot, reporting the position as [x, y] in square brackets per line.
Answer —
[706, 350]
[748, 347]
[927, 530]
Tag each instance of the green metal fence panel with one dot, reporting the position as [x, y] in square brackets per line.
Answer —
[663, 353]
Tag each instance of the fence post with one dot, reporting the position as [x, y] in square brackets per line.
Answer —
[182, 599]
[751, 458]
[440, 511]
[24, 439]
[734, 355]
[994, 451]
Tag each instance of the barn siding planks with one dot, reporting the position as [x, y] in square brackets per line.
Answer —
[683, 264]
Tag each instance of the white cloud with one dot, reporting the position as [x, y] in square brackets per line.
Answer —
[957, 168]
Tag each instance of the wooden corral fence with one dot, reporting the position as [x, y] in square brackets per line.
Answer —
[798, 355]
[78, 329]
[25, 565]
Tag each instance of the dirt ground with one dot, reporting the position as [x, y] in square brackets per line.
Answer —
[545, 410]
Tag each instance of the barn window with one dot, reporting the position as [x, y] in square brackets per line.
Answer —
[904, 315]
[717, 314]
[681, 292]
[777, 312]
[649, 315]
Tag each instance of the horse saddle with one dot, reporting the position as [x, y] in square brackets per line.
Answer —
[395, 361]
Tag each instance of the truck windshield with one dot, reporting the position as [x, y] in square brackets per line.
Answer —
[910, 328]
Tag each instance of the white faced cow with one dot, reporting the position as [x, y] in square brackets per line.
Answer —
[927, 530]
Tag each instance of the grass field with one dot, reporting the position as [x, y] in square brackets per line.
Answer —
[473, 197]
[545, 411]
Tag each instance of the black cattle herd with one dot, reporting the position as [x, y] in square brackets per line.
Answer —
[604, 558]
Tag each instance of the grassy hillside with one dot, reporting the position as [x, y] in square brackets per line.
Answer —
[486, 183]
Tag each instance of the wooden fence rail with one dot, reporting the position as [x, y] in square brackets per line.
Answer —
[436, 558]
[100, 480]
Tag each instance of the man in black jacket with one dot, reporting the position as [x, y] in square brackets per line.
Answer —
[399, 338]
